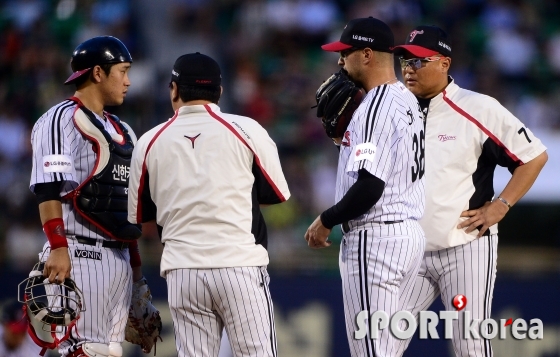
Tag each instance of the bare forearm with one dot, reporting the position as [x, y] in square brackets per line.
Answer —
[49, 210]
[523, 178]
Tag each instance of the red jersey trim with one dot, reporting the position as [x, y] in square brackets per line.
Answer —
[257, 160]
[145, 168]
[481, 127]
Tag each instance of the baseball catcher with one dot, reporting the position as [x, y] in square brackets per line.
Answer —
[144, 324]
[80, 173]
[337, 99]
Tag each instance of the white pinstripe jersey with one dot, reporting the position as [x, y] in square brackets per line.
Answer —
[202, 175]
[467, 135]
[385, 137]
[62, 154]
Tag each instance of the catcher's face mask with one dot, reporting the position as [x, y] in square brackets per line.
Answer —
[52, 309]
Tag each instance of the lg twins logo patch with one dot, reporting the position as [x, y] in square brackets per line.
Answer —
[58, 163]
[414, 33]
[443, 137]
[364, 151]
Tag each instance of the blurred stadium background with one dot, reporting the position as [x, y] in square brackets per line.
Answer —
[270, 55]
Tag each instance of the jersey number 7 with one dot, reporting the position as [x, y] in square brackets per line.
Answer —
[418, 147]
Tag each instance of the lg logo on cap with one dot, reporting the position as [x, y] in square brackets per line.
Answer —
[414, 33]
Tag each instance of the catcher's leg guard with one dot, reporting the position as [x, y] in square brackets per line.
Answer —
[115, 349]
[96, 349]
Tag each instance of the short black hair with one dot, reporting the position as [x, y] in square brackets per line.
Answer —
[106, 67]
[188, 93]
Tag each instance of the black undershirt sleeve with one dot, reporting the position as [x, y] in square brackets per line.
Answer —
[359, 199]
[48, 191]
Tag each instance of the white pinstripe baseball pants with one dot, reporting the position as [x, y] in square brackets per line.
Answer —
[468, 269]
[378, 267]
[107, 288]
[204, 301]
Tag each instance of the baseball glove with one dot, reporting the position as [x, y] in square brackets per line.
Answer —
[144, 323]
[337, 100]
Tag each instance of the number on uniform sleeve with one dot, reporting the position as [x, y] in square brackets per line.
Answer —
[418, 146]
[522, 130]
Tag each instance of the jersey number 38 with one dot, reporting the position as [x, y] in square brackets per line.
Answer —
[418, 147]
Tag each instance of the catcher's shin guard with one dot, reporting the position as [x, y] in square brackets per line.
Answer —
[115, 349]
[96, 349]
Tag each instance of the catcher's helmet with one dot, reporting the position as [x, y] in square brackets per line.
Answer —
[96, 51]
[337, 100]
[49, 307]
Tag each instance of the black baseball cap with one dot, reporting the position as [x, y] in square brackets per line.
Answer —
[196, 69]
[364, 32]
[426, 41]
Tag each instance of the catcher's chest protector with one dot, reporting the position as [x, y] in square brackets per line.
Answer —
[102, 198]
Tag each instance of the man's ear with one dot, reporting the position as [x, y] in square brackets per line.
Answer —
[174, 92]
[96, 74]
[446, 64]
[368, 55]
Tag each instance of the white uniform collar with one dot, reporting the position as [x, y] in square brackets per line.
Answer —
[451, 88]
[187, 109]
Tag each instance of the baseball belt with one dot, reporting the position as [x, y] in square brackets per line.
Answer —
[106, 243]
[346, 227]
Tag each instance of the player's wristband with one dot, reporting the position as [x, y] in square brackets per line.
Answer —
[54, 230]
[134, 252]
[503, 201]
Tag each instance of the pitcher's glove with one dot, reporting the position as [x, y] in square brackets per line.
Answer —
[144, 323]
[337, 100]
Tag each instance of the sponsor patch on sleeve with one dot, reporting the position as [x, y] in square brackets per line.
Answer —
[364, 151]
[58, 163]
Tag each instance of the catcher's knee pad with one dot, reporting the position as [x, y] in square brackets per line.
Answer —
[92, 349]
[115, 349]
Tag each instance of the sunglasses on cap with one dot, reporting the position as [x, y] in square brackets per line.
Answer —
[416, 63]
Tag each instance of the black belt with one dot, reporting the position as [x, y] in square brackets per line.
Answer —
[346, 227]
[106, 243]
